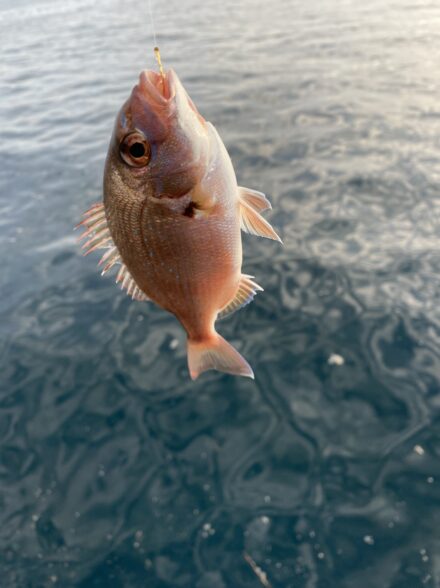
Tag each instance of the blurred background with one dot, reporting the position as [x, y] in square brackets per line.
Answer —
[116, 470]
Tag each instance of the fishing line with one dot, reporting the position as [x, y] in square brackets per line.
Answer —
[156, 48]
[150, 6]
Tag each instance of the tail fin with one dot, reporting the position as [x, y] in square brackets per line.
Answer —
[216, 354]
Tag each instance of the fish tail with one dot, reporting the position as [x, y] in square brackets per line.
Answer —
[216, 354]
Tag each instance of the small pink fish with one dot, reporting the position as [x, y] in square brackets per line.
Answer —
[172, 215]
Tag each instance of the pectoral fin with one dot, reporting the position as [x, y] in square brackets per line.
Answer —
[99, 237]
[252, 222]
[247, 289]
[257, 200]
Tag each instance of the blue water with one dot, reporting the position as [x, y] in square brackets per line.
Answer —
[115, 469]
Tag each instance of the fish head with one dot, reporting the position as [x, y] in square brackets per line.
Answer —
[160, 144]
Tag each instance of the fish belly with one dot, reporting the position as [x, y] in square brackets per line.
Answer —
[190, 267]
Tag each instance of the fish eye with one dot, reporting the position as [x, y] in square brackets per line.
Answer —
[135, 149]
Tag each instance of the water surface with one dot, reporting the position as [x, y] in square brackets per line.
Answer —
[115, 469]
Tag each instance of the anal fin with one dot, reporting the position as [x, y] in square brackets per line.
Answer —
[247, 290]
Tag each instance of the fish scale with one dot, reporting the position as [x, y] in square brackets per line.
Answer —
[193, 296]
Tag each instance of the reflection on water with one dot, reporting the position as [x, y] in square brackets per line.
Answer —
[115, 469]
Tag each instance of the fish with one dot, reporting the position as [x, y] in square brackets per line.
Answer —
[172, 216]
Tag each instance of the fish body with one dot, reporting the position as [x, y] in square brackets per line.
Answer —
[172, 217]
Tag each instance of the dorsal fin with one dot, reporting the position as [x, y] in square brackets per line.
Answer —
[129, 285]
[99, 237]
[257, 200]
[252, 222]
[247, 289]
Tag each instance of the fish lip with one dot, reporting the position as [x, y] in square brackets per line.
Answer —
[154, 86]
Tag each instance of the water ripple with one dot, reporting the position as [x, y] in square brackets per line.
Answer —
[116, 469]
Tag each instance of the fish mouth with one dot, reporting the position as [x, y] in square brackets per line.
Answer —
[157, 87]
